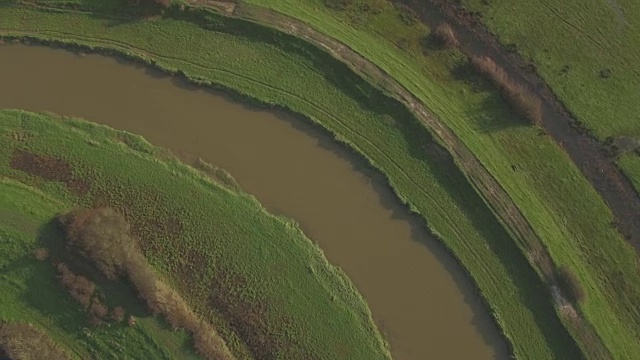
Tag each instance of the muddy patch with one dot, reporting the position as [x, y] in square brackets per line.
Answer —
[49, 168]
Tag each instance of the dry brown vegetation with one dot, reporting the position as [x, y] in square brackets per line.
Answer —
[41, 254]
[519, 98]
[445, 35]
[21, 341]
[103, 236]
[83, 291]
[78, 286]
[50, 168]
[118, 313]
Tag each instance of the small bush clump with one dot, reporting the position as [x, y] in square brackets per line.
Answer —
[83, 291]
[24, 341]
[117, 314]
[519, 98]
[445, 36]
[97, 312]
[41, 254]
[78, 286]
[103, 236]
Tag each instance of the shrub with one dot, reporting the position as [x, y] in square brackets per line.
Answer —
[118, 313]
[445, 36]
[98, 309]
[79, 287]
[83, 290]
[519, 98]
[103, 236]
[24, 341]
[568, 281]
[41, 254]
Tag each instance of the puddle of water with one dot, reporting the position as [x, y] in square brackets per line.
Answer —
[420, 298]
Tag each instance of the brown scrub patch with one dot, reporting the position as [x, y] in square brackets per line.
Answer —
[50, 168]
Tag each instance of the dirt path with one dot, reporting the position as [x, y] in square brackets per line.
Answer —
[589, 155]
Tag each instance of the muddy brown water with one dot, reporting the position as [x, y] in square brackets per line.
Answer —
[420, 298]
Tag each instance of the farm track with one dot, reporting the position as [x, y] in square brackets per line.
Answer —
[588, 153]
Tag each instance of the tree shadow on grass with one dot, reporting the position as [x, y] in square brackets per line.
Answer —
[494, 115]
[46, 294]
[115, 13]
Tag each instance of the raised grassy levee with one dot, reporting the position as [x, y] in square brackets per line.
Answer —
[457, 141]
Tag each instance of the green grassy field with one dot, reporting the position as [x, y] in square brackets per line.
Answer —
[535, 172]
[587, 52]
[30, 293]
[222, 251]
[376, 126]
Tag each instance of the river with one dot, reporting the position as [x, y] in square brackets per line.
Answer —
[421, 300]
